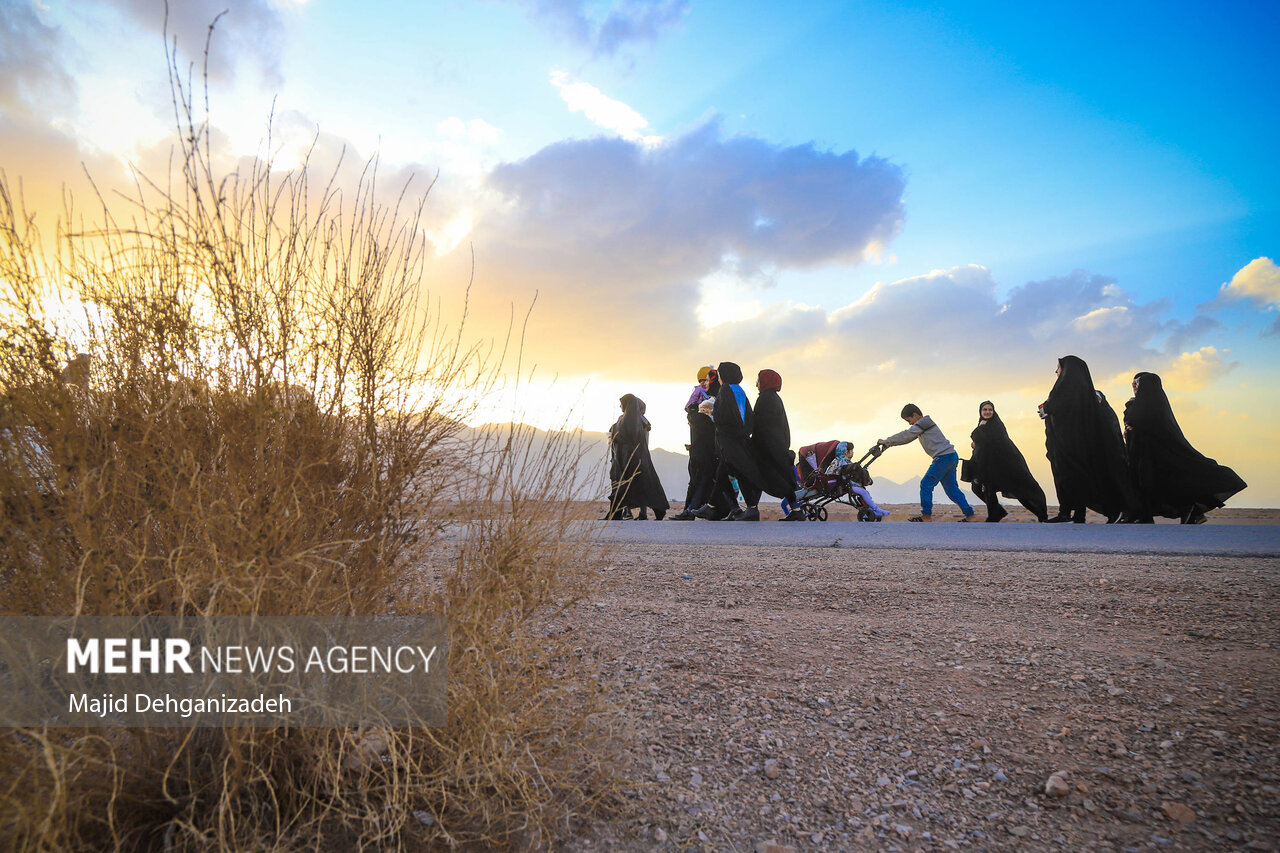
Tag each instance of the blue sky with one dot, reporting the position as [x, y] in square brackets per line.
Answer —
[881, 201]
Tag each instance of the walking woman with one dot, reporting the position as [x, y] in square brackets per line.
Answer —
[734, 420]
[998, 466]
[771, 438]
[1085, 448]
[1172, 478]
[635, 482]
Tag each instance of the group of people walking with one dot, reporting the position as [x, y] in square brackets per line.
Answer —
[1129, 475]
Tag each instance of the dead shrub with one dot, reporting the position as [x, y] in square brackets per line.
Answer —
[230, 399]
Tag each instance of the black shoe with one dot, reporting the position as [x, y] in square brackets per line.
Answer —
[749, 514]
[685, 515]
[709, 512]
[1058, 519]
[794, 515]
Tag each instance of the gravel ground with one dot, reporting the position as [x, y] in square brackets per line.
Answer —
[820, 699]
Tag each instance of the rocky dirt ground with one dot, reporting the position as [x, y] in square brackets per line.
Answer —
[824, 699]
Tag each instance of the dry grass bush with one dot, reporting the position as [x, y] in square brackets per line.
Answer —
[268, 423]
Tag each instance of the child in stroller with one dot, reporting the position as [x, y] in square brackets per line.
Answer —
[828, 475]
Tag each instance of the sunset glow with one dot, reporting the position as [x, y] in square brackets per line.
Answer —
[884, 203]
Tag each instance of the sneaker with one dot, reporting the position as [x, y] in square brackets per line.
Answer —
[684, 515]
[749, 514]
[709, 512]
[794, 515]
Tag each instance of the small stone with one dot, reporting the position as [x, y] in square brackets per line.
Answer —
[695, 780]
[702, 836]
[902, 830]
[1178, 812]
[1020, 831]
[1056, 786]
[773, 847]
[771, 769]
[883, 781]
[425, 818]
[659, 834]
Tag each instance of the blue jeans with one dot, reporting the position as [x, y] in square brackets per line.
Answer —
[943, 470]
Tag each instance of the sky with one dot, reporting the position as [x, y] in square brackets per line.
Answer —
[883, 202]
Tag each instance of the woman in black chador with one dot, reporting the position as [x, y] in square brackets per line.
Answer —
[634, 480]
[1085, 448]
[998, 466]
[702, 459]
[771, 438]
[1172, 478]
[734, 419]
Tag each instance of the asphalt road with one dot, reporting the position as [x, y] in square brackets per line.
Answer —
[1205, 539]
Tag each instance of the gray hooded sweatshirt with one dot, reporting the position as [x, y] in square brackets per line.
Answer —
[932, 441]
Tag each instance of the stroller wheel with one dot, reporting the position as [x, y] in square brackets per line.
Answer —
[866, 515]
[822, 513]
[810, 513]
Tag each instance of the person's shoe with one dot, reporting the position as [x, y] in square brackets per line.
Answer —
[964, 518]
[1060, 518]
[749, 514]
[920, 518]
[1001, 513]
[709, 513]
[683, 515]
[794, 515]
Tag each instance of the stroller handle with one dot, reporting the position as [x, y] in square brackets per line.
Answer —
[873, 453]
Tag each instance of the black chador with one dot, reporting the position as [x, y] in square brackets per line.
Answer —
[1085, 449]
[734, 420]
[771, 438]
[1172, 478]
[998, 466]
[635, 482]
[702, 460]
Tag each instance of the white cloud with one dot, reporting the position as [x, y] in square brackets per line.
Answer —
[251, 31]
[607, 27]
[602, 110]
[607, 227]
[32, 53]
[1257, 282]
[1191, 371]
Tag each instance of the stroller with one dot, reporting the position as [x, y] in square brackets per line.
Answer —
[820, 488]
